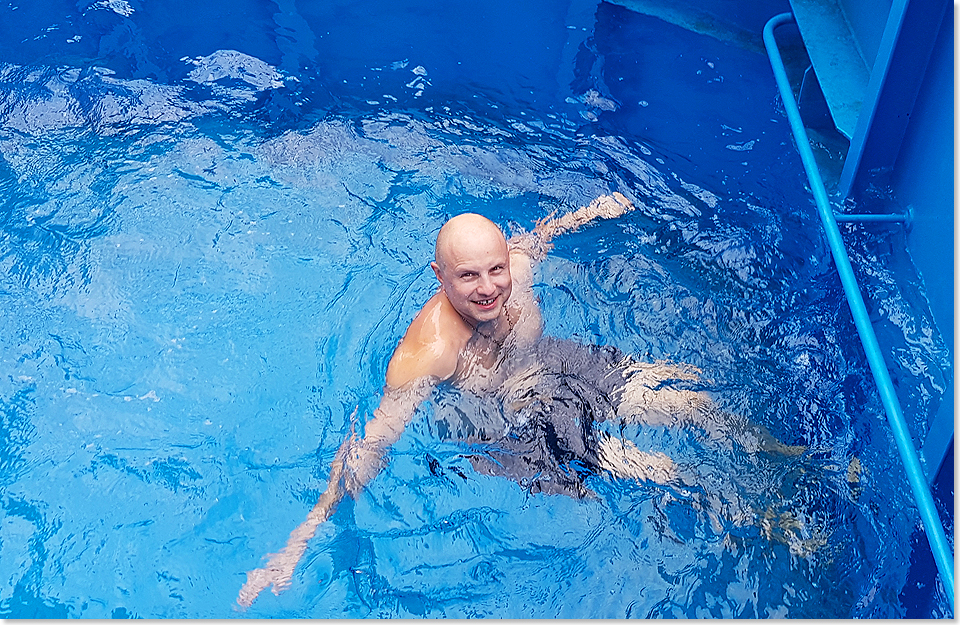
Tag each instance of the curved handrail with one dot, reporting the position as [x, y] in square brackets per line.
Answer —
[911, 462]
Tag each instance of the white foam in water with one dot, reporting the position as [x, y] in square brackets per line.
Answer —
[120, 7]
[230, 64]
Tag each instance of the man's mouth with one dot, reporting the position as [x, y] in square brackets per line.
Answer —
[485, 303]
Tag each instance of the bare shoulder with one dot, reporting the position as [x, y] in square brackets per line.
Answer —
[431, 346]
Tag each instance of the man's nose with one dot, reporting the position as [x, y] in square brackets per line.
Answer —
[486, 285]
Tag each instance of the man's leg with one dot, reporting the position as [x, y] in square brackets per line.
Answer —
[653, 394]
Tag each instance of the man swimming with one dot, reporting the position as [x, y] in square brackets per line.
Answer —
[481, 332]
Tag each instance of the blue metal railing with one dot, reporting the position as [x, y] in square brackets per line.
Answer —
[896, 218]
[921, 492]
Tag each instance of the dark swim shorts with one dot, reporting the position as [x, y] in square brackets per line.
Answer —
[539, 432]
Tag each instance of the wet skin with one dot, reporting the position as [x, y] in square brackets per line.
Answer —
[485, 308]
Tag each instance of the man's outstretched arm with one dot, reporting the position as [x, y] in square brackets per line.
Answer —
[356, 463]
[605, 206]
[536, 243]
[424, 357]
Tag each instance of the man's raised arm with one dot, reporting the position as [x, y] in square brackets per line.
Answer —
[536, 243]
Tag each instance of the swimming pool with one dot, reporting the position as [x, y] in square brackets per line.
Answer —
[216, 226]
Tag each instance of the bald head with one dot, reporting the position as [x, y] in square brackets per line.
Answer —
[464, 233]
[473, 267]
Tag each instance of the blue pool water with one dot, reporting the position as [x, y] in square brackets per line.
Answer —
[216, 225]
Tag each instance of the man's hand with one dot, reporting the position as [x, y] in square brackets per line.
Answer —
[278, 572]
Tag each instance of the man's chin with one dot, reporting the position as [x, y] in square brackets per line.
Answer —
[483, 315]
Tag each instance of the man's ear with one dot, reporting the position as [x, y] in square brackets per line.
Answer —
[436, 272]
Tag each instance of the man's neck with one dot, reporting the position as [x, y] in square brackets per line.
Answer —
[497, 329]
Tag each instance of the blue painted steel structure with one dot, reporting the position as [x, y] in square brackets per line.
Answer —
[923, 177]
[915, 474]
[895, 79]
[881, 75]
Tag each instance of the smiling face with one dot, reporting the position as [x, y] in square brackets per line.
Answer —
[473, 266]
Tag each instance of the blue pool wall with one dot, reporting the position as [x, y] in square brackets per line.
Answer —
[915, 162]
[923, 179]
[907, 145]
